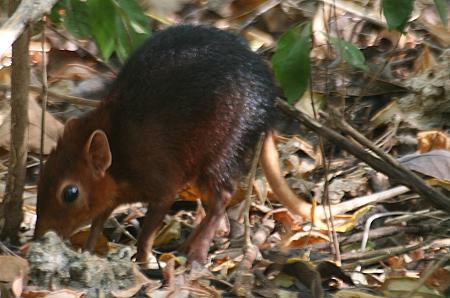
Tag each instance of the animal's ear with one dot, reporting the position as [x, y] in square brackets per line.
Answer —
[98, 152]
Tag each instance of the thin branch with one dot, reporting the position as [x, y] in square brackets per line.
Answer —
[11, 207]
[44, 96]
[28, 11]
[58, 97]
[406, 175]
[354, 148]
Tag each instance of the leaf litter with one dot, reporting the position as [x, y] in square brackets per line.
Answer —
[290, 257]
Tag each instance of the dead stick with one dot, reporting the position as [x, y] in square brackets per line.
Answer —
[355, 149]
[428, 273]
[28, 11]
[382, 232]
[420, 186]
[248, 193]
[369, 199]
[244, 278]
[372, 257]
[58, 97]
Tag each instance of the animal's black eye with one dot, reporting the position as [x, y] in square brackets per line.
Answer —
[70, 193]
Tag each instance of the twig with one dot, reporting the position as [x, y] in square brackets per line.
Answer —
[373, 17]
[378, 233]
[123, 229]
[96, 58]
[326, 198]
[426, 213]
[27, 12]
[244, 278]
[405, 175]
[260, 11]
[435, 266]
[355, 149]
[369, 199]
[6, 251]
[11, 206]
[75, 100]
[381, 233]
[248, 193]
[369, 222]
[375, 256]
[58, 97]
[44, 96]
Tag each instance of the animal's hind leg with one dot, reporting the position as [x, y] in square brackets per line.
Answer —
[198, 243]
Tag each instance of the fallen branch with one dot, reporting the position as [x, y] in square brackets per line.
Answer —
[383, 232]
[438, 199]
[58, 97]
[406, 174]
[375, 256]
[28, 11]
[243, 276]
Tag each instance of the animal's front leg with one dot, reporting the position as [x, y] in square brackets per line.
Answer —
[152, 220]
[96, 230]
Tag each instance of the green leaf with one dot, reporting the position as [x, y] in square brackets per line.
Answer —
[102, 25]
[127, 40]
[133, 13]
[55, 16]
[115, 25]
[291, 61]
[442, 8]
[349, 53]
[397, 13]
[76, 18]
[131, 27]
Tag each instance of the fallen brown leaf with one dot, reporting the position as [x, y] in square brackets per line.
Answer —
[53, 128]
[432, 140]
[12, 267]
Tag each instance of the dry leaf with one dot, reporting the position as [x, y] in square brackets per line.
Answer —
[170, 232]
[53, 128]
[301, 239]
[354, 294]
[434, 163]
[234, 8]
[432, 140]
[351, 221]
[224, 266]
[424, 61]
[305, 273]
[438, 31]
[283, 216]
[164, 8]
[329, 270]
[396, 262]
[12, 267]
[140, 280]
[65, 293]
[200, 213]
[17, 286]
[439, 279]
[401, 286]
[258, 39]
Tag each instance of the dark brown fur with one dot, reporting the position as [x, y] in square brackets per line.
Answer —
[187, 107]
